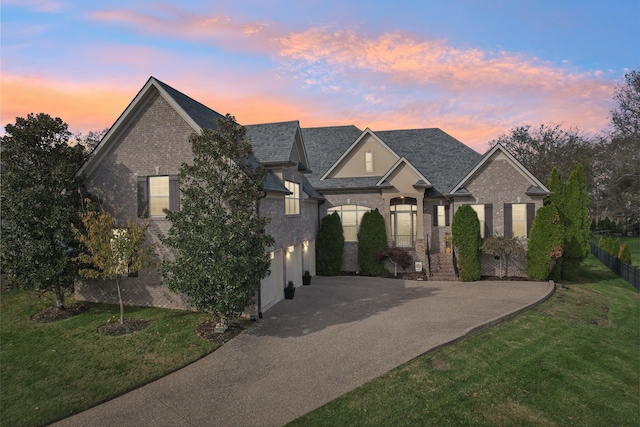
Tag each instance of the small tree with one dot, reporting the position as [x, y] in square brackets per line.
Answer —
[218, 233]
[330, 246]
[503, 247]
[372, 237]
[397, 256]
[112, 253]
[545, 242]
[465, 236]
[625, 253]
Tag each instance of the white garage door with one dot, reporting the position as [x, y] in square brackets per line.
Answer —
[272, 285]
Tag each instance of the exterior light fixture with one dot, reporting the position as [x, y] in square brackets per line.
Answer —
[290, 249]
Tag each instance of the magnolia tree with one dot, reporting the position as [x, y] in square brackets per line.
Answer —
[218, 235]
[39, 198]
[111, 253]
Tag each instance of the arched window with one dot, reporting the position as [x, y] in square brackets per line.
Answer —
[404, 217]
[350, 215]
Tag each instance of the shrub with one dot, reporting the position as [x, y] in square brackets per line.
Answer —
[397, 256]
[545, 242]
[576, 234]
[372, 237]
[465, 234]
[502, 246]
[330, 246]
[625, 253]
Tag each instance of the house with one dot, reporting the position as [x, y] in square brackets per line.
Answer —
[415, 178]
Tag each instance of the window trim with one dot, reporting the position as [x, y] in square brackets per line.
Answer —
[163, 199]
[368, 162]
[144, 195]
[530, 212]
[359, 211]
[292, 200]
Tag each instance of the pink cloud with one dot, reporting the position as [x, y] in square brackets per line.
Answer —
[322, 77]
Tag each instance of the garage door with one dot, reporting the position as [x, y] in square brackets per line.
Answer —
[272, 285]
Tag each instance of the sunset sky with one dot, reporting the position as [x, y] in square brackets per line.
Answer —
[474, 69]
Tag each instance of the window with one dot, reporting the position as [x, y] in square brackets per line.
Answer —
[156, 193]
[368, 162]
[518, 218]
[292, 201]
[350, 216]
[404, 216]
[441, 216]
[480, 212]
[485, 217]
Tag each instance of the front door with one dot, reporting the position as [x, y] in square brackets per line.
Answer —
[403, 221]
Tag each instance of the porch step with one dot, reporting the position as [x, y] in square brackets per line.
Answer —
[442, 268]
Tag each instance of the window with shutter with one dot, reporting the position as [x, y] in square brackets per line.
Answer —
[156, 193]
[518, 218]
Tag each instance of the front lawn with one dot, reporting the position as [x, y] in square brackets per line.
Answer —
[49, 371]
[572, 360]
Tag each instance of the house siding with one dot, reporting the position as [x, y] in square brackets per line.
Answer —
[497, 183]
[156, 142]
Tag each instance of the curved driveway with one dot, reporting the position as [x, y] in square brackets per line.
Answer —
[334, 336]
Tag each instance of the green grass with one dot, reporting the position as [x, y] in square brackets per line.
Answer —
[49, 371]
[572, 360]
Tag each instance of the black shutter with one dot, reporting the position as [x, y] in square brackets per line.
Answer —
[508, 225]
[174, 193]
[435, 215]
[143, 197]
[488, 220]
[531, 213]
[446, 216]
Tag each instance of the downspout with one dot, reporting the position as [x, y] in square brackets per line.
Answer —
[264, 194]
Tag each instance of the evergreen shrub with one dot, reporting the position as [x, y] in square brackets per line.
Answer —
[330, 246]
[545, 242]
[465, 234]
[372, 237]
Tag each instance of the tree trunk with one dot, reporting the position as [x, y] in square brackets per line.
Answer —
[59, 297]
[120, 301]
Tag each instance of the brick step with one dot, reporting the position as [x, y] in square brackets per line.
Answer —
[442, 268]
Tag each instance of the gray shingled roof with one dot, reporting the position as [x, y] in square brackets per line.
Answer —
[204, 116]
[441, 158]
[324, 147]
[272, 142]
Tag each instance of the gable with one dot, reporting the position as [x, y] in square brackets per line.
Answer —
[368, 148]
[196, 115]
[403, 177]
[494, 167]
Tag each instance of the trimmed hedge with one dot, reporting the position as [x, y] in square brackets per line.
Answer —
[545, 242]
[372, 237]
[330, 246]
[465, 235]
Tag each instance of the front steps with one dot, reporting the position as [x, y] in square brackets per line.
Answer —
[442, 268]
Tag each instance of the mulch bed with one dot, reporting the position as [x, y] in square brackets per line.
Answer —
[114, 329]
[206, 331]
[53, 314]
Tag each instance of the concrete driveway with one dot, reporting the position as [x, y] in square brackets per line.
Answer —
[334, 336]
